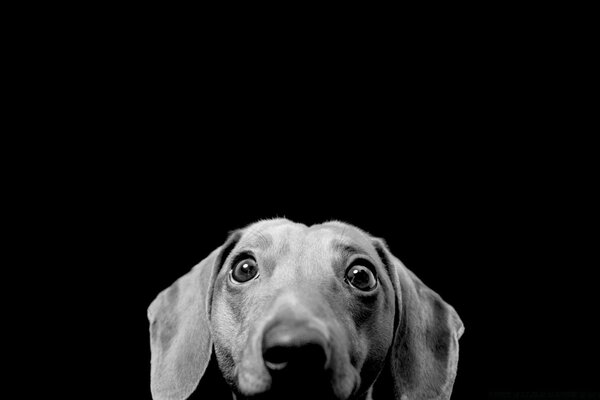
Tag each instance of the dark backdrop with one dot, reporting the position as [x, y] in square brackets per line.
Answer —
[493, 206]
[506, 247]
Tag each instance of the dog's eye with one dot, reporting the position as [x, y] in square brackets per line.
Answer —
[361, 277]
[244, 270]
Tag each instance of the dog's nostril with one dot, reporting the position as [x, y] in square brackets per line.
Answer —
[308, 355]
[299, 348]
[277, 357]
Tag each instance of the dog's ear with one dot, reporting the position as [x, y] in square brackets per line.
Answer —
[180, 340]
[422, 361]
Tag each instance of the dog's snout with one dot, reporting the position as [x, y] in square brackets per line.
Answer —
[295, 347]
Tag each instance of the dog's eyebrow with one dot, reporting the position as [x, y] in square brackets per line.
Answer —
[347, 249]
[259, 240]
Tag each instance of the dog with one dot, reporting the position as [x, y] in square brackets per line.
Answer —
[282, 311]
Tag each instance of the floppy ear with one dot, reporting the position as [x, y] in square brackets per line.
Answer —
[422, 361]
[180, 340]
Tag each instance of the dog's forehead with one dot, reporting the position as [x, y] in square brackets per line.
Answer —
[278, 232]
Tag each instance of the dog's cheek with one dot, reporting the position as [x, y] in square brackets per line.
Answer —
[223, 332]
[375, 326]
[226, 363]
[229, 325]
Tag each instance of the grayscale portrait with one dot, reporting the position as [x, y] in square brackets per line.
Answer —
[282, 310]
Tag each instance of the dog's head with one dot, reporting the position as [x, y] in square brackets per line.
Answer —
[294, 311]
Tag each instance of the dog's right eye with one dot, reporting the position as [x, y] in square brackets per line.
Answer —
[361, 277]
[244, 270]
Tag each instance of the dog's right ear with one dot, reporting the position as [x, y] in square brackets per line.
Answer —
[423, 359]
[180, 340]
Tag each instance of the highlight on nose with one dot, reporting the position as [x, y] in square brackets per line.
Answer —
[295, 348]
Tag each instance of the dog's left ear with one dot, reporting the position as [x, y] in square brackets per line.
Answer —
[422, 361]
[180, 340]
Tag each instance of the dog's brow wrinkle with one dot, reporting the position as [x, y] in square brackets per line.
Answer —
[261, 240]
[347, 249]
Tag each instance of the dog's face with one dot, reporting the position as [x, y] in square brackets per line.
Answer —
[302, 310]
[290, 311]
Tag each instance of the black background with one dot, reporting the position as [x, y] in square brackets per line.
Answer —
[464, 148]
[509, 255]
[504, 236]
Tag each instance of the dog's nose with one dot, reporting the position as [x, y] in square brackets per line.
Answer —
[295, 347]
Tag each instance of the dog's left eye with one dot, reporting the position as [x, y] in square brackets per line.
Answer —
[244, 270]
[361, 277]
